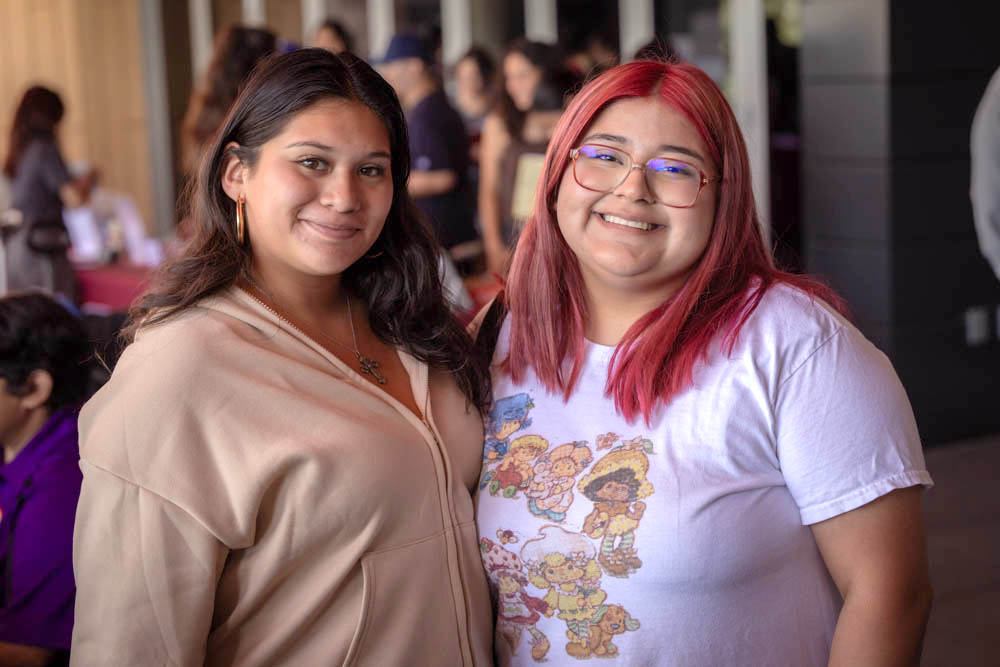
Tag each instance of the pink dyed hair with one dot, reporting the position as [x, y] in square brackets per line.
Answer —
[654, 360]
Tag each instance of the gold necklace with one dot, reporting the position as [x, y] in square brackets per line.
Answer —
[368, 365]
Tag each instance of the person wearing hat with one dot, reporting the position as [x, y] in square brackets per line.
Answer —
[438, 143]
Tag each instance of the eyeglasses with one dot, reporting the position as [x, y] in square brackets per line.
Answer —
[674, 183]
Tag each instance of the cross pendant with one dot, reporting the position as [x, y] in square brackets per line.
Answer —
[370, 366]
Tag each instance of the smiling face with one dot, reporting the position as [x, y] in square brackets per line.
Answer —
[521, 78]
[625, 241]
[319, 193]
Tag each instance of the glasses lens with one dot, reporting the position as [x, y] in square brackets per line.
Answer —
[600, 167]
[673, 182]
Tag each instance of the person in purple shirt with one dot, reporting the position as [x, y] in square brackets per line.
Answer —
[43, 379]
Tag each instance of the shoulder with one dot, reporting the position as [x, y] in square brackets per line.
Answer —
[171, 372]
[790, 326]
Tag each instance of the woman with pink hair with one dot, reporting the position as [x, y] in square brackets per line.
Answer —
[751, 485]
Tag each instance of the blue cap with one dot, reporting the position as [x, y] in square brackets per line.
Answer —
[406, 46]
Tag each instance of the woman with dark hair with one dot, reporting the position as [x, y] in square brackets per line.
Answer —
[514, 137]
[280, 470]
[237, 51]
[41, 186]
[739, 479]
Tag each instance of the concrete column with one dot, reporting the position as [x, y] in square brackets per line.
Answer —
[381, 26]
[254, 13]
[314, 12]
[200, 27]
[636, 25]
[456, 29]
[541, 21]
[154, 69]
[748, 83]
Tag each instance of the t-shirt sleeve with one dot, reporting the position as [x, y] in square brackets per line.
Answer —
[40, 613]
[146, 576]
[844, 428]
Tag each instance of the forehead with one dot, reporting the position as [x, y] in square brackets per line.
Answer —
[337, 123]
[645, 124]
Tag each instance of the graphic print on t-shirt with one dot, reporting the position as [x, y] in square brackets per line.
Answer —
[564, 567]
[557, 572]
[616, 484]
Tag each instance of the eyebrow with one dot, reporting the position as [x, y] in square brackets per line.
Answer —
[663, 148]
[323, 147]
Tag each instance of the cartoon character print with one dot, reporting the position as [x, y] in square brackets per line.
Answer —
[550, 492]
[564, 565]
[508, 416]
[517, 611]
[515, 470]
[616, 484]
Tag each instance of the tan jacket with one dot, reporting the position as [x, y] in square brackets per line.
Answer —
[248, 499]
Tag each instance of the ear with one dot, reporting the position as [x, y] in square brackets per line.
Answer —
[234, 172]
[39, 389]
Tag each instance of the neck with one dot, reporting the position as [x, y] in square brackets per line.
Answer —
[17, 441]
[612, 312]
[304, 300]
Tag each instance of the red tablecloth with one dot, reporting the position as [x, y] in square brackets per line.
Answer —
[113, 285]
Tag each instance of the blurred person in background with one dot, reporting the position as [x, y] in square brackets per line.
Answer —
[694, 458]
[43, 380]
[280, 469]
[514, 139]
[334, 37]
[438, 146]
[237, 50]
[985, 190]
[473, 77]
[40, 187]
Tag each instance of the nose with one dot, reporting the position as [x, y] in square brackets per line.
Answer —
[341, 191]
[635, 187]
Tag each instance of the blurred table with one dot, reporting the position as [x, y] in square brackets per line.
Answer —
[114, 286]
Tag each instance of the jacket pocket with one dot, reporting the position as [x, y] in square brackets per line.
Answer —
[408, 613]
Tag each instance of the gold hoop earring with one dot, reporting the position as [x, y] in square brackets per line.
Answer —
[374, 255]
[240, 222]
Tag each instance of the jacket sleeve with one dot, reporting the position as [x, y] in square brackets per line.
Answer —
[146, 574]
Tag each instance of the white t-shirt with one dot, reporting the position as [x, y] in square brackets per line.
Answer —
[686, 541]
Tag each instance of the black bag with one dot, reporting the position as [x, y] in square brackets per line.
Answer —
[48, 237]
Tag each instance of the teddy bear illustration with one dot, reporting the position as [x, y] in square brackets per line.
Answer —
[615, 484]
[517, 611]
[515, 470]
[550, 492]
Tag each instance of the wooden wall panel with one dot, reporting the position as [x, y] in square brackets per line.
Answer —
[90, 52]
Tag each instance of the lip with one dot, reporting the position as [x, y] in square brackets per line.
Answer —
[600, 215]
[331, 231]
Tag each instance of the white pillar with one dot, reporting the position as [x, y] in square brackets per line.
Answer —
[541, 21]
[154, 69]
[200, 26]
[254, 13]
[636, 26]
[748, 77]
[381, 26]
[456, 30]
[314, 12]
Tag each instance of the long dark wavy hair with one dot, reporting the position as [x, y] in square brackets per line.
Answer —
[37, 115]
[399, 282]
